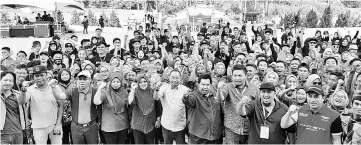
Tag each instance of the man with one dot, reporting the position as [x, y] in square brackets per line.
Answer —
[42, 98]
[21, 58]
[251, 71]
[281, 71]
[173, 119]
[295, 62]
[303, 73]
[236, 127]
[102, 56]
[118, 50]
[98, 33]
[12, 121]
[44, 60]
[131, 41]
[223, 53]
[265, 114]
[6, 59]
[316, 123]
[58, 64]
[84, 129]
[21, 74]
[101, 22]
[353, 132]
[205, 126]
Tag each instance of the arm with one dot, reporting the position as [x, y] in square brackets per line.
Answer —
[57, 92]
[354, 37]
[189, 100]
[241, 108]
[98, 95]
[58, 125]
[159, 91]
[24, 97]
[336, 131]
[131, 96]
[283, 92]
[290, 117]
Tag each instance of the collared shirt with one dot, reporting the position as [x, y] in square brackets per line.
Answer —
[317, 127]
[232, 96]
[259, 117]
[43, 106]
[174, 112]
[12, 118]
[204, 116]
[84, 105]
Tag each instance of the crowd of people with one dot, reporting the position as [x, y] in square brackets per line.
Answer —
[221, 86]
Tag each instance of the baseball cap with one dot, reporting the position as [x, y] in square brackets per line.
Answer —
[267, 85]
[38, 69]
[176, 45]
[315, 88]
[68, 45]
[102, 42]
[44, 53]
[353, 47]
[312, 39]
[85, 73]
[200, 33]
[204, 42]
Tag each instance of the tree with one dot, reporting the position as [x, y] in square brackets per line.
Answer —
[357, 22]
[287, 20]
[348, 19]
[344, 20]
[5, 18]
[86, 3]
[326, 19]
[75, 18]
[114, 19]
[298, 19]
[311, 19]
[106, 19]
[92, 19]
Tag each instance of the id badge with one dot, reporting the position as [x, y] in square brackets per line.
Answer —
[264, 133]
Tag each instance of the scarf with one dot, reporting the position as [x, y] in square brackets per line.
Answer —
[117, 98]
[144, 97]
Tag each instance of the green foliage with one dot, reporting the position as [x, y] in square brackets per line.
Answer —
[75, 18]
[311, 19]
[93, 21]
[344, 20]
[86, 3]
[5, 18]
[326, 19]
[298, 19]
[114, 19]
[357, 22]
[287, 20]
[106, 19]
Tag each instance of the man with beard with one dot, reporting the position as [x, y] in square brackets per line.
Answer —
[42, 98]
[316, 123]
[84, 129]
[236, 127]
[265, 114]
[353, 131]
[205, 126]
[12, 115]
[173, 119]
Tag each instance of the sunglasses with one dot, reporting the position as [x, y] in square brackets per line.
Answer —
[317, 83]
[312, 42]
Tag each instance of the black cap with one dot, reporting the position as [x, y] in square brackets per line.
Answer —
[269, 31]
[315, 88]
[148, 30]
[56, 52]
[312, 39]
[268, 86]
[192, 43]
[150, 43]
[136, 40]
[44, 53]
[266, 41]
[176, 45]
[39, 69]
[68, 45]
[98, 29]
[200, 33]
[102, 42]
[204, 42]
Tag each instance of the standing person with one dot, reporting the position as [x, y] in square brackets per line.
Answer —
[114, 121]
[98, 35]
[101, 22]
[6, 59]
[236, 127]
[265, 114]
[353, 132]
[205, 125]
[84, 129]
[174, 115]
[102, 56]
[85, 25]
[144, 118]
[42, 98]
[316, 123]
[12, 121]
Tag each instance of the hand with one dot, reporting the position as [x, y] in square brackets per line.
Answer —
[157, 124]
[293, 87]
[245, 99]
[25, 85]
[72, 57]
[158, 85]
[134, 86]
[293, 109]
[53, 82]
[186, 95]
[102, 85]
[126, 36]
[57, 129]
[340, 82]
[220, 85]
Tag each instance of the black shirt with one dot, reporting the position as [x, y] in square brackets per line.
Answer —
[96, 60]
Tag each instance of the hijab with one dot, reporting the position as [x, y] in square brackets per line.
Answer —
[118, 97]
[144, 97]
[65, 84]
[311, 78]
[289, 77]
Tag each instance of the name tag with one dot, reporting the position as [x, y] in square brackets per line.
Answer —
[264, 133]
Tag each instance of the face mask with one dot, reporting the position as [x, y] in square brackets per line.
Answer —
[58, 61]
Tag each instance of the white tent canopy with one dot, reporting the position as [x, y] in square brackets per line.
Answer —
[51, 5]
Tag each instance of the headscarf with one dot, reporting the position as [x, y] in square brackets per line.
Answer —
[109, 68]
[93, 67]
[216, 67]
[117, 98]
[65, 84]
[144, 97]
[115, 57]
[344, 103]
[161, 63]
[270, 73]
[311, 78]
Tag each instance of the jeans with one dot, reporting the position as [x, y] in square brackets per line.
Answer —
[196, 140]
[41, 135]
[118, 137]
[84, 135]
[85, 30]
[14, 138]
[142, 138]
[169, 136]
[67, 134]
[234, 138]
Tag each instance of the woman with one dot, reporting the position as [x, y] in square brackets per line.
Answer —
[90, 67]
[144, 117]
[289, 90]
[166, 74]
[313, 79]
[115, 61]
[64, 78]
[114, 99]
[219, 73]
[105, 72]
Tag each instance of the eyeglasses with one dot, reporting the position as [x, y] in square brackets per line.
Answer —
[312, 42]
[317, 83]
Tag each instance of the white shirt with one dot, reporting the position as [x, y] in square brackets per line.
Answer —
[174, 112]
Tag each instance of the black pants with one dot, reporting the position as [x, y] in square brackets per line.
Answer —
[196, 140]
[118, 137]
[85, 30]
[142, 138]
[84, 135]
[169, 136]
[67, 134]
[51, 30]
[158, 136]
